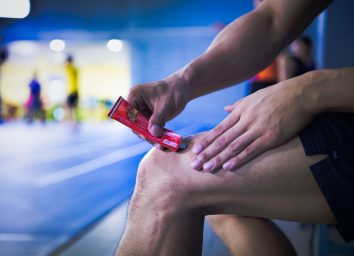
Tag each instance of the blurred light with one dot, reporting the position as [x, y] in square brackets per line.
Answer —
[14, 8]
[115, 45]
[56, 45]
[24, 48]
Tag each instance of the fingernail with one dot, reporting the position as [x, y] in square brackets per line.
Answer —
[208, 166]
[227, 166]
[197, 149]
[195, 164]
[155, 130]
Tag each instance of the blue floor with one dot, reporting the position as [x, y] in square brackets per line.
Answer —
[56, 181]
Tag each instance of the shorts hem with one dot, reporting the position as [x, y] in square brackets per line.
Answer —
[321, 171]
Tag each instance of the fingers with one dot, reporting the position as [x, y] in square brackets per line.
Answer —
[212, 159]
[146, 106]
[229, 108]
[229, 145]
[250, 152]
[209, 138]
[156, 122]
[134, 98]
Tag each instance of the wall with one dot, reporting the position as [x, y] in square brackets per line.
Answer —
[339, 35]
[114, 15]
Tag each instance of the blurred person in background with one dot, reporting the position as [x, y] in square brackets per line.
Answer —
[265, 78]
[73, 90]
[3, 57]
[299, 60]
[34, 104]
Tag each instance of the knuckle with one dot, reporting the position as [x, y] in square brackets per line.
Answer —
[208, 141]
[270, 136]
[203, 156]
[134, 90]
[238, 103]
[234, 146]
[131, 90]
[203, 142]
[218, 160]
[249, 151]
[218, 130]
[220, 143]
[159, 115]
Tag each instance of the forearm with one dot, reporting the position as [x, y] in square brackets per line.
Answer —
[234, 55]
[249, 44]
[329, 90]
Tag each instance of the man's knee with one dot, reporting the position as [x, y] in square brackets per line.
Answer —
[166, 180]
[154, 173]
[157, 183]
[166, 170]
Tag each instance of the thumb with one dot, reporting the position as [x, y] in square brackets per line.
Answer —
[156, 123]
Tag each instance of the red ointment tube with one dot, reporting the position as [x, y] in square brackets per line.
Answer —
[126, 114]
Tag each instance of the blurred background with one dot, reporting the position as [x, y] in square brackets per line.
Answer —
[67, 171]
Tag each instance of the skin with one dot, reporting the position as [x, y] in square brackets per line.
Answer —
[257, 164]
[240, 234]
[268, 118]
[170, 199]
[275, 184]
[231, 58]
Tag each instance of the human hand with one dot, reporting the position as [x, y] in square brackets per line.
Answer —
[159, 101]
[256, 123]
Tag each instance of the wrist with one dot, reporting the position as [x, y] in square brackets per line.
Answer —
[308, 85]
[301, 93]
[317, 90]
[180, 84]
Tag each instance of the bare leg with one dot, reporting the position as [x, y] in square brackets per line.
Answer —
[250, 235]
[170, 199]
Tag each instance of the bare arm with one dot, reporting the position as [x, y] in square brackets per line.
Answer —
[272, 116]
[243, 48]
[330, 90]
[249, 44]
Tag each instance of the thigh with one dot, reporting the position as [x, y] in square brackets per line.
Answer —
[276, 184]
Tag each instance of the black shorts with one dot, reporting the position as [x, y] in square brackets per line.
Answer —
[72, 99]
[332, 134]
